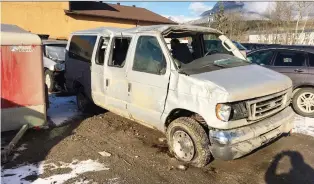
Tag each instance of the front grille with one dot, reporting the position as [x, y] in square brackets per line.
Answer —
[266, 106]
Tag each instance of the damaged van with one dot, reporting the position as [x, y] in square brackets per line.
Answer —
[209, 101]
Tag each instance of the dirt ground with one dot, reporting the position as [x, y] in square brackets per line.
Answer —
[138, 156]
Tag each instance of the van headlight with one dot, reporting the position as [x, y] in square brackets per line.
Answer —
[59, 66]
[231, 111]
[223, 112]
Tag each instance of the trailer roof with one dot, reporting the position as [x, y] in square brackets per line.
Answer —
[14, 35]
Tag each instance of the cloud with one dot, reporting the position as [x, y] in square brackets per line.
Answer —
[180, 18]
[198, 8]
[262, 8]
[265, 8]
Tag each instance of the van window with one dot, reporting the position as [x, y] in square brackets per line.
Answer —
[149, 57]
[262, 57]
[119, 50]
[311, 60]
[101, 51]
[213, 44]
[81, 47]
[288, 58]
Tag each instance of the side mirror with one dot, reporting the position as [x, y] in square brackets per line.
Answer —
[178, 63]
[243, 52]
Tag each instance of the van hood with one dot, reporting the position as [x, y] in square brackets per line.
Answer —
[246, 82]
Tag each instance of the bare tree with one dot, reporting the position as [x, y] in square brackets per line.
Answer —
[289, 21]
[231, 24]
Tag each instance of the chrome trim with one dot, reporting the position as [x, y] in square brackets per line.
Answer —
[277, 101]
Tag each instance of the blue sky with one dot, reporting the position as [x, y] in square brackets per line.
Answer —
[179, 11]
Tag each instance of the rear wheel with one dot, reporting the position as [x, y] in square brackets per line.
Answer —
[303, 102]
[189, 142]
[83, 102]
[49, 80]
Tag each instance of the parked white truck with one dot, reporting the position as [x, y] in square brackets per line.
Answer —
[211, 103]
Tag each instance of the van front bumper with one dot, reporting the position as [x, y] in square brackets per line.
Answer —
[234, 143]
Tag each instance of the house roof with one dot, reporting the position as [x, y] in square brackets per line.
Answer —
[116, 11]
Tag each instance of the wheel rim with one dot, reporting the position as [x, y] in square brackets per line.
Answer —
[48, 81]
[305, 102]
[183, 145]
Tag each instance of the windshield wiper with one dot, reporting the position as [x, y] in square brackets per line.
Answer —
[219, 65]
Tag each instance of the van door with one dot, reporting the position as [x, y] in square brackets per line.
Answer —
[78, 61]
[148, 78]
[115, 76]
[97, 70]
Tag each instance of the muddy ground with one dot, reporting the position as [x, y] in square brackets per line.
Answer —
[138, 156]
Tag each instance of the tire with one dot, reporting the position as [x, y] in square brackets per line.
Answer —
[47, 98]
[83, 102]
[189, 127]
[49, 80]
[308, 95]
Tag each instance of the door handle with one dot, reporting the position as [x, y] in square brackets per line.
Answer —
[107, 82]
[298, 70]
[129, 87]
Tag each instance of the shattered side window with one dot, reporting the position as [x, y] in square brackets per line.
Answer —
[149, 57]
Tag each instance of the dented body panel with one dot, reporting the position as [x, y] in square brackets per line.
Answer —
[150, 99]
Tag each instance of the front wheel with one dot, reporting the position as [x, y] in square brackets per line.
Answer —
[303, 102]
[49, 80]
[189, 142]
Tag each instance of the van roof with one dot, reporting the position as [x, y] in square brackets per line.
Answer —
[99, 30]
[163, 28]
[14, 35]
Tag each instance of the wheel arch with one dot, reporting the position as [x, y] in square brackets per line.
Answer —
[181, 112]
[77, 85]
[297, 88]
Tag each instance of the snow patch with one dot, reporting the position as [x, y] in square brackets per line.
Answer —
[18, 174]
[22, 147]
[303, 125]
[62, 109]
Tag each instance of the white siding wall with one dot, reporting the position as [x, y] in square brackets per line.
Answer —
[302, 38]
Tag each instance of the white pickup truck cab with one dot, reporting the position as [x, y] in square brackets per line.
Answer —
[211, 103]
[53, 60]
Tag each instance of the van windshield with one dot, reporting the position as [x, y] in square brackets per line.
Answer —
[55, 52]
[213, 44]
[211, 63]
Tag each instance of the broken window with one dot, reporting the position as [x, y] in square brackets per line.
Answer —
[149, 57]
[119, 51]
